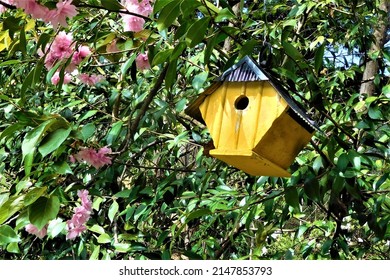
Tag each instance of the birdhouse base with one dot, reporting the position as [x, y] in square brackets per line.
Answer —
[250, 162]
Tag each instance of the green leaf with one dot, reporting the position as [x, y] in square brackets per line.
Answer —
[248, 47]
[10, 207]
[338, 185]
[13, 248]
[301, 230]
[292, 198]
[104, 238]
[52, 71]
[355, 159]
[162, 57]
[96, 228]
[126, 66]
[187, 8]
[171, 75]
[31, 141]
[55, 227]
[62, 168]
[197, 214]
[342, 162]
[123, 194]
[113, 210]
[112, 5]
[88, 130]
[375, 113]
[8, 235]
[38, 71]
[95, 253]
[168, 15]
[23, 42]
[160, 4]
[141, 209]
[291, 51]
[23, 184]
[33, 195]
[177, 51]
[27, 83]
[319, 57]
[114, 132]
[10, 62]
[224, 14]
[53, 140]
[312, 189]
[199, 81]
[317, 164]
[43, 210]
[197, 31]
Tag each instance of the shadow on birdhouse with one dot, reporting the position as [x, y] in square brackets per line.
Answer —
[254, 123]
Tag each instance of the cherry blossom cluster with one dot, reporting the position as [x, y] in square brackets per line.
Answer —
[132, 22]
[64, 10]
[63, 49]
[81, 215]
[76, 225]
[95, 158]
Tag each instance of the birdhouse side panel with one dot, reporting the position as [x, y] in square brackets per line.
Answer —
[283, 141]
[270, 107]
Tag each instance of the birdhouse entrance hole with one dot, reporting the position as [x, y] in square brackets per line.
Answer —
[241, 102]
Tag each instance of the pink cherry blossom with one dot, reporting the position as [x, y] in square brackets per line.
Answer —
[64, 10]
[56, 78]
[142, 61]
[62, 46]
[143, 7]
[90, 80]
[95, 158]
[80, 54]
[61, 49]
[32, 7]
[74, 230]
[76, 225]
[133, 23]
[30, 228]
[85, 199]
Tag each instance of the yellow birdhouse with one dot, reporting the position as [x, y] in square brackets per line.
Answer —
[254, 123]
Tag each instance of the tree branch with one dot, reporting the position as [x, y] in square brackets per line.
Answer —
[120, 11]
[372, 66]
[133, 125]
[8, 6]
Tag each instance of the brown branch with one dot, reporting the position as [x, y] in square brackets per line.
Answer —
[133, 125]
[159, 168]
[83, 5]
[8, 6]
[117, 11]
[372, 66]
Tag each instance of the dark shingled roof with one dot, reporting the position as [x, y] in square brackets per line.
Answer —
[247, 70]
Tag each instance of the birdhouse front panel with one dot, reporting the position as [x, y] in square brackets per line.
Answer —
[239, 114]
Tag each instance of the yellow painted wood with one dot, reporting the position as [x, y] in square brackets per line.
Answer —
[283, 141]
[250, 162]
[260, 139]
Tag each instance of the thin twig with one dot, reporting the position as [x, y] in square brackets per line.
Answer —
[117, 11]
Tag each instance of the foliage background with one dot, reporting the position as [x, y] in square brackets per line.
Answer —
[162, 198]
